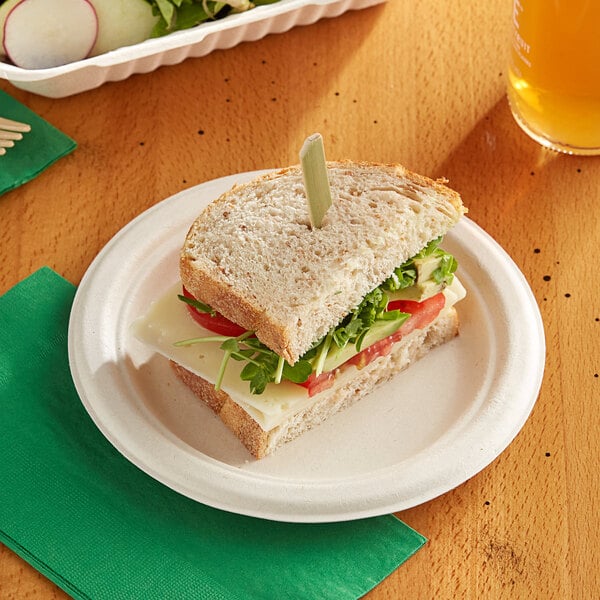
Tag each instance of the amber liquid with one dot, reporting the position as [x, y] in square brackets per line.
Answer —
[554, 73]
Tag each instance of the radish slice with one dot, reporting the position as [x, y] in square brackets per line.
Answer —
[5, 8]
[122, 23]
[40, 34]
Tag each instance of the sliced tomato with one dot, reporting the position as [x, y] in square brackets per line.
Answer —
[422, 313]
[216, 323]
[364, 357]
[318, 383]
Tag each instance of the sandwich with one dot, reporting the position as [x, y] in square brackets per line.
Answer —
[277, 324]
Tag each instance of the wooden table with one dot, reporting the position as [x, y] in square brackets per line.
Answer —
[417, 83]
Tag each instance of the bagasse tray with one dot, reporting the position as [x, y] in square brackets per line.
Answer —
[79, 76]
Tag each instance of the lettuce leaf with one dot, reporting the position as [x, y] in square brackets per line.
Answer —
[406, 274]
[176, 15]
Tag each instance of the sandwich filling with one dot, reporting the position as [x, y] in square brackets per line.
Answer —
[168, 320]
[412, 298]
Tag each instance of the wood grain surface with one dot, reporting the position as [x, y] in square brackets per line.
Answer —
[423, 84]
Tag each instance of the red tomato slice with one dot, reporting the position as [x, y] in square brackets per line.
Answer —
[217, 323]
[318, 383]
[422, 314]
[381, 348]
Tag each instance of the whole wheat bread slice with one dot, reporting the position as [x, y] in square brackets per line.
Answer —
[253, 256]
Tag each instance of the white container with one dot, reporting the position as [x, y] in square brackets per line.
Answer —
[79, 76]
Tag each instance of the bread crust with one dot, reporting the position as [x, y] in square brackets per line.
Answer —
[253, 257]
[261, 443]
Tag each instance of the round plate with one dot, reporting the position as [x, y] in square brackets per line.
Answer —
[424, 433]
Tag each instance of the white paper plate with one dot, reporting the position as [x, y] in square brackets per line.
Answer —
[82, 75]
[429, 430]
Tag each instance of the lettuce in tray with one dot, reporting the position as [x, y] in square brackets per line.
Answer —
[183, 14]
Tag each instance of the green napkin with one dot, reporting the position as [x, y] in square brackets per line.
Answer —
[39, 148]
[98, 527]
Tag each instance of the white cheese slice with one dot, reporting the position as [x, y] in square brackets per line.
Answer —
[168, 321]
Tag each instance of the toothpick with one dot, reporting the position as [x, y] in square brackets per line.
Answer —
[10, 125]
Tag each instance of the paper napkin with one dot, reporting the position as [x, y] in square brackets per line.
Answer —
[100, 528]
[39, 148]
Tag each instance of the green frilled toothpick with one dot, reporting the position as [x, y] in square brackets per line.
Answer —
[316, 181]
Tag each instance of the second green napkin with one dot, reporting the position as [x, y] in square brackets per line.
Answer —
[100, 528]
[38, 149]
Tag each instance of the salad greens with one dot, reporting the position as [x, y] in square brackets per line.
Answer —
[406, 275]
[183, 14]
[205, 308]
[264, 366]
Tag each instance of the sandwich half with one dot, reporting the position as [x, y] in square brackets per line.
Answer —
[278, 325]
